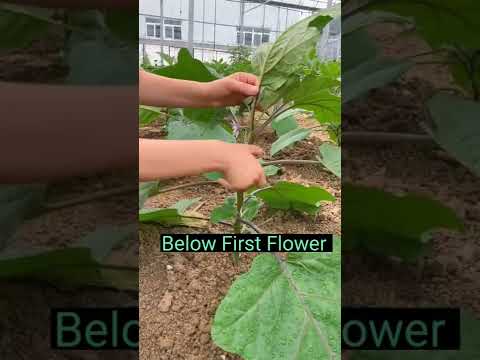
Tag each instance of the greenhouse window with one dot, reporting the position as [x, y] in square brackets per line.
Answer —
[252, 36]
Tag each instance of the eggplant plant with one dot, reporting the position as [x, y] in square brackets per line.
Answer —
[286, 90]
[283, 308]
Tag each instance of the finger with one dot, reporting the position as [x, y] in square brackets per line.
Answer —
[263, 179]
[225, 184]
[255, 150]
[245, 89]
[247, 78]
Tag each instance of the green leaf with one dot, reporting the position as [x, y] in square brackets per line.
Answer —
[357, 48]
[148, 114]
[103, 240]
[80, 265]
[213, 176]
[20, 25]
[287, 311]
[289, 196]
[315, 93]
[331, 158]
[184, 204]
[19, 202]
[250, 208]
[168, 217]
[440, 22]
[457, 128]
[170, 60]
[95, 62]
[145, 190]
[371, 74]
[186, 68]
[285, 122]
[208, 115]
[271, 170]
[185, 129]
[469, 348]
[225, 211]
[274, 62]
[288, 139]
[387, 224]
[124, 24]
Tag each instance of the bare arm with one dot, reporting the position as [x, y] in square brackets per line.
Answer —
[50, 131]
[163, 159]
[161, 91]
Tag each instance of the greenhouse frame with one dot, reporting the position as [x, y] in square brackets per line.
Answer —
[211, 29]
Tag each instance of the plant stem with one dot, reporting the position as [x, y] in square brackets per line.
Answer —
[291, 162]
[237, 226]
[251, 136]
[252, 226]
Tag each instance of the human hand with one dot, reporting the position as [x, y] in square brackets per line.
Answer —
[240, 167]
[231, 90]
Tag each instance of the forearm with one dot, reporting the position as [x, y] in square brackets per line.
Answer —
[160, 91]
[163, 159]
[50, 132]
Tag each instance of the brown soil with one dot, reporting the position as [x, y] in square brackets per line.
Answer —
[179, 293]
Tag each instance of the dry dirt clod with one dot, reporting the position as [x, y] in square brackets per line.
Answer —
[166, 302]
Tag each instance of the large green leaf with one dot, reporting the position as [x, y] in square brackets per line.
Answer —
[469, 348]
[331, 158]
[289, 196]
[285, 122]
[386, 224]
[363, 68]
[148, 114]
[186, 68]
[185, 129]
[315, 93]
[145, 190]
[288, 139]
[277, 63]
[124, 24]
[94, 57]
[225, 211]
[183, 205]
[80, 265]
[457, 128]
[20, 25]
[95, 62]
[371, 74]
[284, 311]
[168, 217]
[440, 22]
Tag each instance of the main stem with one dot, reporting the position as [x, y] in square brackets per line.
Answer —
[237, 226]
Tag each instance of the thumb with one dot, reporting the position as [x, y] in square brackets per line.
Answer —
[255, 150]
